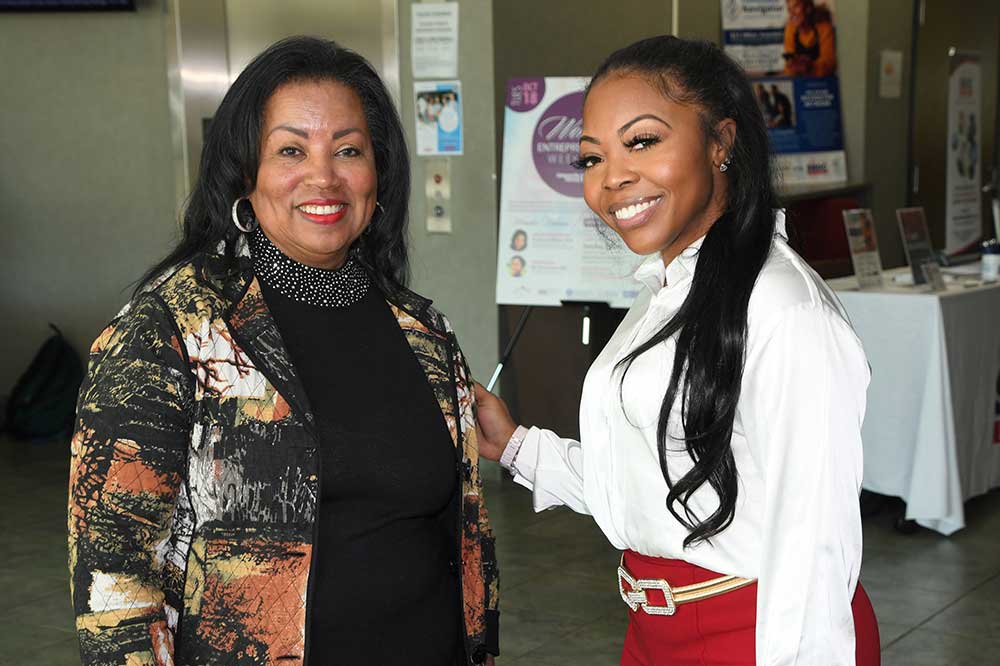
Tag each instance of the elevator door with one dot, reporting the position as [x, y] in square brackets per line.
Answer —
[366, 26]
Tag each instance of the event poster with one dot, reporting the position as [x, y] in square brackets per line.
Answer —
[439, 117]
[552, 248]
[789, 51]
[860, 229]
[963, 207]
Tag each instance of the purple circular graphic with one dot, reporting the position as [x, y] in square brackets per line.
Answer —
[525, 94]
[555, 145]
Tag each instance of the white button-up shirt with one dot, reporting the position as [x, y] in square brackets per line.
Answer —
[796, 442]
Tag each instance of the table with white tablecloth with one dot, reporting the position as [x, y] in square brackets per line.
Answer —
[930, 425]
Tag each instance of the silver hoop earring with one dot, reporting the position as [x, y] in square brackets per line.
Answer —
[379, 206]
[236, 217]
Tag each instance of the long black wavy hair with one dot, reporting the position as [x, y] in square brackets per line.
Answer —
[230, 157]
[711, 324]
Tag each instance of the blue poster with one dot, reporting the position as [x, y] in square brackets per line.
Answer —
[439, 117]
[789, 50]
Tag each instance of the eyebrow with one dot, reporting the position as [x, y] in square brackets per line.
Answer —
[645, 116]
[305, 135]
[624, 128]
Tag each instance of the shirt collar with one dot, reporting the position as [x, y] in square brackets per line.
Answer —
[779, 223]
[655, 275]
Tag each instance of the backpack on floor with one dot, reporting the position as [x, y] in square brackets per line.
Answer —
[43, 402]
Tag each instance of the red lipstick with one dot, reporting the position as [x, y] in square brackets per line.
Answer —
[323, 211]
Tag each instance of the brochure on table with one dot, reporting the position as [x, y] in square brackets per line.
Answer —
[916, 241]
[791, 58]
[864, 247]
[552, 248]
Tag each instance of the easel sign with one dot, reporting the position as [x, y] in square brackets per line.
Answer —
[551, 247]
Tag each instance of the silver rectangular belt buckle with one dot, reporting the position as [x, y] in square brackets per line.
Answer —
[635, 597]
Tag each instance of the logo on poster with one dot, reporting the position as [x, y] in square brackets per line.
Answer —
[817, 168]
[525, 94]
[556, 144]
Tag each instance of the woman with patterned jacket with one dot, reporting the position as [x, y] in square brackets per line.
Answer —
[275, 458]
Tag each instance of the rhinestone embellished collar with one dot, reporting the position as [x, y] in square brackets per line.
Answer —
[338, 288]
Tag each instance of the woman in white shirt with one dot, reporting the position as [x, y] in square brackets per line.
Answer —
[721, 426]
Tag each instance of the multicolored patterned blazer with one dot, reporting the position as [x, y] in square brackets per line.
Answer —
[194, 480]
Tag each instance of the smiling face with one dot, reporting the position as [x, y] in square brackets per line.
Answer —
[316, 181]
[519, 241]
[650, 172]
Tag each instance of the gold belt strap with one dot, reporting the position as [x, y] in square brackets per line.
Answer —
[635, 597]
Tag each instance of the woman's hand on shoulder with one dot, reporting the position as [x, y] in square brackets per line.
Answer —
[494, 425]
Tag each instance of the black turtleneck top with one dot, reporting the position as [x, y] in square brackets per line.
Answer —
[385, 587]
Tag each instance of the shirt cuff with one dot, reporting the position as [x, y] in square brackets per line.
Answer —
[523, 466]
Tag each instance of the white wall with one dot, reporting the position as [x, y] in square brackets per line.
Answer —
[86, 183]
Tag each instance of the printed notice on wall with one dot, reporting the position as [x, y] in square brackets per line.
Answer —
[890, 74]
[789, 51]
[552, 248]
[439, 117]
[435, 40]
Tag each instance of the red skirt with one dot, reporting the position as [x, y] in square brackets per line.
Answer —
[719, 631]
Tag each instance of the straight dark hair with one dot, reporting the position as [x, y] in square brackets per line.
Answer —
[711, 324]
[230, 158]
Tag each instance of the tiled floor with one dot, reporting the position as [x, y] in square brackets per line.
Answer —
[937, 599]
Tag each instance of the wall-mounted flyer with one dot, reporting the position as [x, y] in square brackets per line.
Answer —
[916, 241]
[438, 115]
[790, 55]
[434, 39]
[864, 247]
[552, 248]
